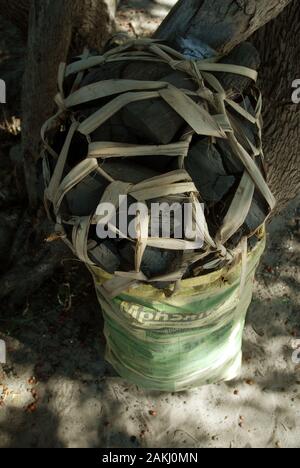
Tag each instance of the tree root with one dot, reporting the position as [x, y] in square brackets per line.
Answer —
[32, 262]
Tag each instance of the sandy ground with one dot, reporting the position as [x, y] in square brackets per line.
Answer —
[56, 389]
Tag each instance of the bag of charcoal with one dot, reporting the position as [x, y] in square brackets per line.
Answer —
[158, 185]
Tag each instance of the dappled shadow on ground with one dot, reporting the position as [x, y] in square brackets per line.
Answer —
[55, 347]
[64, 315]
[58, 390]
[25, 431]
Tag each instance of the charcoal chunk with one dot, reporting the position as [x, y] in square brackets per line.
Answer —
[105, 256]
[156, 262]
[245, 55]
[128, 170]
[83, 199]
[256, 217]
[107, 71]
[149, 71]
[231, 162]
[161, 164]
[113, 130]
[154, 120]
[258, 213]
[205, 166]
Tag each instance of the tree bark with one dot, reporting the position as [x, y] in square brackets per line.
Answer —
[94, 24]
[17, 12]
[56, 30]
[69, 25]
[279, 47]
[90, 15]
[45, 52]
[220, 24]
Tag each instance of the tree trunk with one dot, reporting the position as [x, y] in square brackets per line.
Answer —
[17, 12]
[279, 47]
[94, 24]
[69, 24]
[57, 29]
[220, 24]
[90, 15]
[45, 52]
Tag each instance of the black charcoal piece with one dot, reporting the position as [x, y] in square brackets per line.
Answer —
[154, 120]
[107, 71]
[231, 161]
[78, 150]
[161, 164]
[146, 71]
[156, 262]
[120, 133]
[205, 166]
[127, 170]
[105, 256]
[245, 131]
[252, 242]
[103, 133]
[83, 199]
[163, 285]
[256, 217]
[113, 130]
[258, 213]
[245, 55]
[127, 253]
